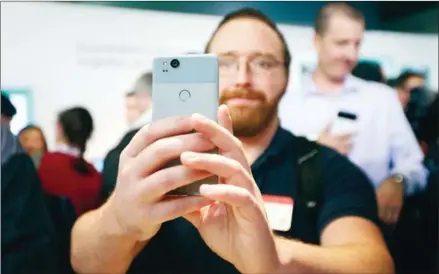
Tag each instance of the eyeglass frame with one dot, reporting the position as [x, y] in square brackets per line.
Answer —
[251, 63]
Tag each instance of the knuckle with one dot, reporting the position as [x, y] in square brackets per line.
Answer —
[238, 143]
[163, 146]
[173, 208]
[236, 167]
[199, 140]
[166, 182]
[124, 174]
[123, 156]
[149, 133]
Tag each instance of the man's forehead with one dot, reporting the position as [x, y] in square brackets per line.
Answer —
[340, 24]
[248, 36]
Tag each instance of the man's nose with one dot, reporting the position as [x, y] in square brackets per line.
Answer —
[243, 75]
[351, 53]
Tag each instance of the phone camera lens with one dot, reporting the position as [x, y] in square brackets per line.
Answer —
[175, 63]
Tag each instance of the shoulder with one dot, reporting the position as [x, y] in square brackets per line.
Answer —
[339, 171]
[18, 176]
[347, 191]
[94, 172]
[49, 156]
[127, 138]
[117, 150]
[53, 160]
[336, 164]
[17, 165]
[378, 91]
[9, 144]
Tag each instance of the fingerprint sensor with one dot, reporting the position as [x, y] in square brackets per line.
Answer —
[185, 95]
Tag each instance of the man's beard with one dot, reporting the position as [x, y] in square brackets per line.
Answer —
[249, 121]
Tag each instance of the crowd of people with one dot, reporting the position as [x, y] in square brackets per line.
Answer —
[362, 201]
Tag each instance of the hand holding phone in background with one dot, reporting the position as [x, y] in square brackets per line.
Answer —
[339, 133]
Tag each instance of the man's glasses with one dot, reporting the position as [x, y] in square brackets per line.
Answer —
[261, 65]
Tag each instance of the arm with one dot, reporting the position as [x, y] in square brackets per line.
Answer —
[350, 240]
[97, 247]
[358, 249]
[406, 155]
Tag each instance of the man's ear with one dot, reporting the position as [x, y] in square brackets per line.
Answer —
[317, 41]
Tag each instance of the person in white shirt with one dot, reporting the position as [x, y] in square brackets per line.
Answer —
[380, 141]
[143, 94]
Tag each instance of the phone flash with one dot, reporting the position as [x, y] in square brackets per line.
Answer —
[165, 63]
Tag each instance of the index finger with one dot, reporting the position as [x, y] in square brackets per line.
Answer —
[224, 118]
[159, 129]
[220, 137]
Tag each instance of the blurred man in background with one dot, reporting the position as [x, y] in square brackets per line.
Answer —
[143, 94]
[415, 98]
[406, 83]
[143, 101]
[132, 110]
[380, 140]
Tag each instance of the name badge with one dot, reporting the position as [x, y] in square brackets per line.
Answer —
[279, 211]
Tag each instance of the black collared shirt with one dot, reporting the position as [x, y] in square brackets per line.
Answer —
[178, 248]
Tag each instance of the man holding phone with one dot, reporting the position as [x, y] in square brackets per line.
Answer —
[380, 140]
[227, 229]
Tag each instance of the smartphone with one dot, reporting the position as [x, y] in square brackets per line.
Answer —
[184, 85]
[345, 123]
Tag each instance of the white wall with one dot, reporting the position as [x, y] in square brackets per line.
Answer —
[71, 54]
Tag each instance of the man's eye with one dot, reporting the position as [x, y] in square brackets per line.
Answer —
[227, 63]
[264, 64]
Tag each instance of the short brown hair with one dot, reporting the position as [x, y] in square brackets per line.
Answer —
[144, 83]
[327, 11]
[257, 15]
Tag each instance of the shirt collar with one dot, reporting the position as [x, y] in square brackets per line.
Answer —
[349, 85]
[144, 119]
[69, 150]
[279, 144]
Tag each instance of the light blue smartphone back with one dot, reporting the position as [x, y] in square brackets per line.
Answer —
[192, 87]
[182, 88]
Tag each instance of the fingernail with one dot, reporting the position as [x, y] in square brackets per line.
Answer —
[198, 116]
[189, 156]
[204, 189]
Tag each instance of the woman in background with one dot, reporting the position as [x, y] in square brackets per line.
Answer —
[33, 142]
[65, 172]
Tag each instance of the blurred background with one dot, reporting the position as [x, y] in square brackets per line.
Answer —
[58, 55]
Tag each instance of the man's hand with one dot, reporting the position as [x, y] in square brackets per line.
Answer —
[235, 227]
[341, 143]
[137, 207]
[390, 198]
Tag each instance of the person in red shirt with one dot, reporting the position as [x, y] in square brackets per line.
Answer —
[65, 172]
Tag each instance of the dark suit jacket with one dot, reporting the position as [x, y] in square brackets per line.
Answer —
[111, 165]
[29, 240]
